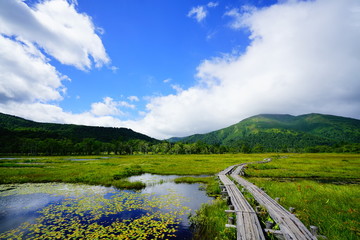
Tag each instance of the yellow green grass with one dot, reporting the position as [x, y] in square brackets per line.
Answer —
[112, 171]
[324, 189]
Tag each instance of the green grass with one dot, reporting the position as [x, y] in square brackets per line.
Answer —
[209, 222]
[112, 171]
[205, 180]
[324, 189]
[331, 167]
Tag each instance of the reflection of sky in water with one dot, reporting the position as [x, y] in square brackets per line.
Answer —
[15, 209]
[21, 203]
[149, 179]
[192, 196]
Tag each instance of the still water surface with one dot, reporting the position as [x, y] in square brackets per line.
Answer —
[67, 211]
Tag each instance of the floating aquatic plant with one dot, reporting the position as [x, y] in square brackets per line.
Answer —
[88, 212]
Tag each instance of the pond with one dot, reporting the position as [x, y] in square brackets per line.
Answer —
[69, 211]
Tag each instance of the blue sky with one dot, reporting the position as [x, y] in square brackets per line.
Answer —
[154, 45]
[174, 68]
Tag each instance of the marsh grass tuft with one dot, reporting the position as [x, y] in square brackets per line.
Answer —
[133, 170]
[209, 222]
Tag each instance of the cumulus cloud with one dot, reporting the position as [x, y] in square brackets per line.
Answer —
[304, 57]
[55, 114]
[29, 84]
[30, 35]
[25, 74]
[56, 26]
[109, 107]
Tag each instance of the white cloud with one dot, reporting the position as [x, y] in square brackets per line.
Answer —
[211, 35]
[114, 69]
[43, 112]
[212, 4]
[199, 13]
[55, 26]
[240, 16]
[25, 74]
[109, 107]
[126, 104]
[30, 35]
[177, 88]
[133, 98]
[167, 80]
[304, 57]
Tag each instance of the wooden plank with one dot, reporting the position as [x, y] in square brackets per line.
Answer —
[247, 223]
[291, 227]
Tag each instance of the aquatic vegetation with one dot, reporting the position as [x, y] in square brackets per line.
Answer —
[92, 212]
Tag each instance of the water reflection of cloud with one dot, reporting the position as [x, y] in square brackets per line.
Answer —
[150, 179]
[16, 209]
[193, 197]
[32, 203]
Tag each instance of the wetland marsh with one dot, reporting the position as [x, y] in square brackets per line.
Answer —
[324, 189]
[67, 211]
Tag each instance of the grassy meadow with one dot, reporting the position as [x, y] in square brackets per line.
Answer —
[324, 188]
[112, 171]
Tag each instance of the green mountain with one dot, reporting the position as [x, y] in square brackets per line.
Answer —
[27, 128]
[277, 131]
[18, 135]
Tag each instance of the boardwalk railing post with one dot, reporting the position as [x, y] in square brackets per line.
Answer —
[231, 220]
[314, 230]
[269, 224]
[292, 210]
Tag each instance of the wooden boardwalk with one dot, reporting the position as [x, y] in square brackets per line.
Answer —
[247, 223]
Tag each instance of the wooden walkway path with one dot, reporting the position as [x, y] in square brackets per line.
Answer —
[247, 223]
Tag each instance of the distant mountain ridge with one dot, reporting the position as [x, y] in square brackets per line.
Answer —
[275, 131]
[30, 129]
[260, 133]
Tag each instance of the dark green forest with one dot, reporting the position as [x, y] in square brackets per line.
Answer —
[262, 133]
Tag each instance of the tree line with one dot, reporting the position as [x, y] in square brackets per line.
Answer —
[91, 146]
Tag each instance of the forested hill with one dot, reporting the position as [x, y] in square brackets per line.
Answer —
[275, 131]
[76, 132]
[18, 134]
